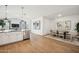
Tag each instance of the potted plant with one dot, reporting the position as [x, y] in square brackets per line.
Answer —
[77, 28]
[2, 23]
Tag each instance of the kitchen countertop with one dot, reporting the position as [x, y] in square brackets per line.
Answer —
[5, 31]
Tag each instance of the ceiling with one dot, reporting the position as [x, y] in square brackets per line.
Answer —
[34, 11]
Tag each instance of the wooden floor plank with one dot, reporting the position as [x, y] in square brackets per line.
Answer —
[39, 44]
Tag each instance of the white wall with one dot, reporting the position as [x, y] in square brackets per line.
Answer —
[28, 23]
[48, 24]
[40, 32]
[16, 21]
[44, 26]
[53, 24]
[74, 19]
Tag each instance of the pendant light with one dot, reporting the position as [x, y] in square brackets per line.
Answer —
[6, 12]
[22, 8]
[22, 12]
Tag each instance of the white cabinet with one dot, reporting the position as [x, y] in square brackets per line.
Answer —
[10, 37]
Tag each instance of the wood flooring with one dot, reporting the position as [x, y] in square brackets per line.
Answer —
[39, 44]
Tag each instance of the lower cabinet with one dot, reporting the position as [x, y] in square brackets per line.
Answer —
[10, 37]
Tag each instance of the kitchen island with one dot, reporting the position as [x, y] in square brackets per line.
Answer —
[7, 37]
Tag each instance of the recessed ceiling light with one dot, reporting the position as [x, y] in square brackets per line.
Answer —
[59, 15]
